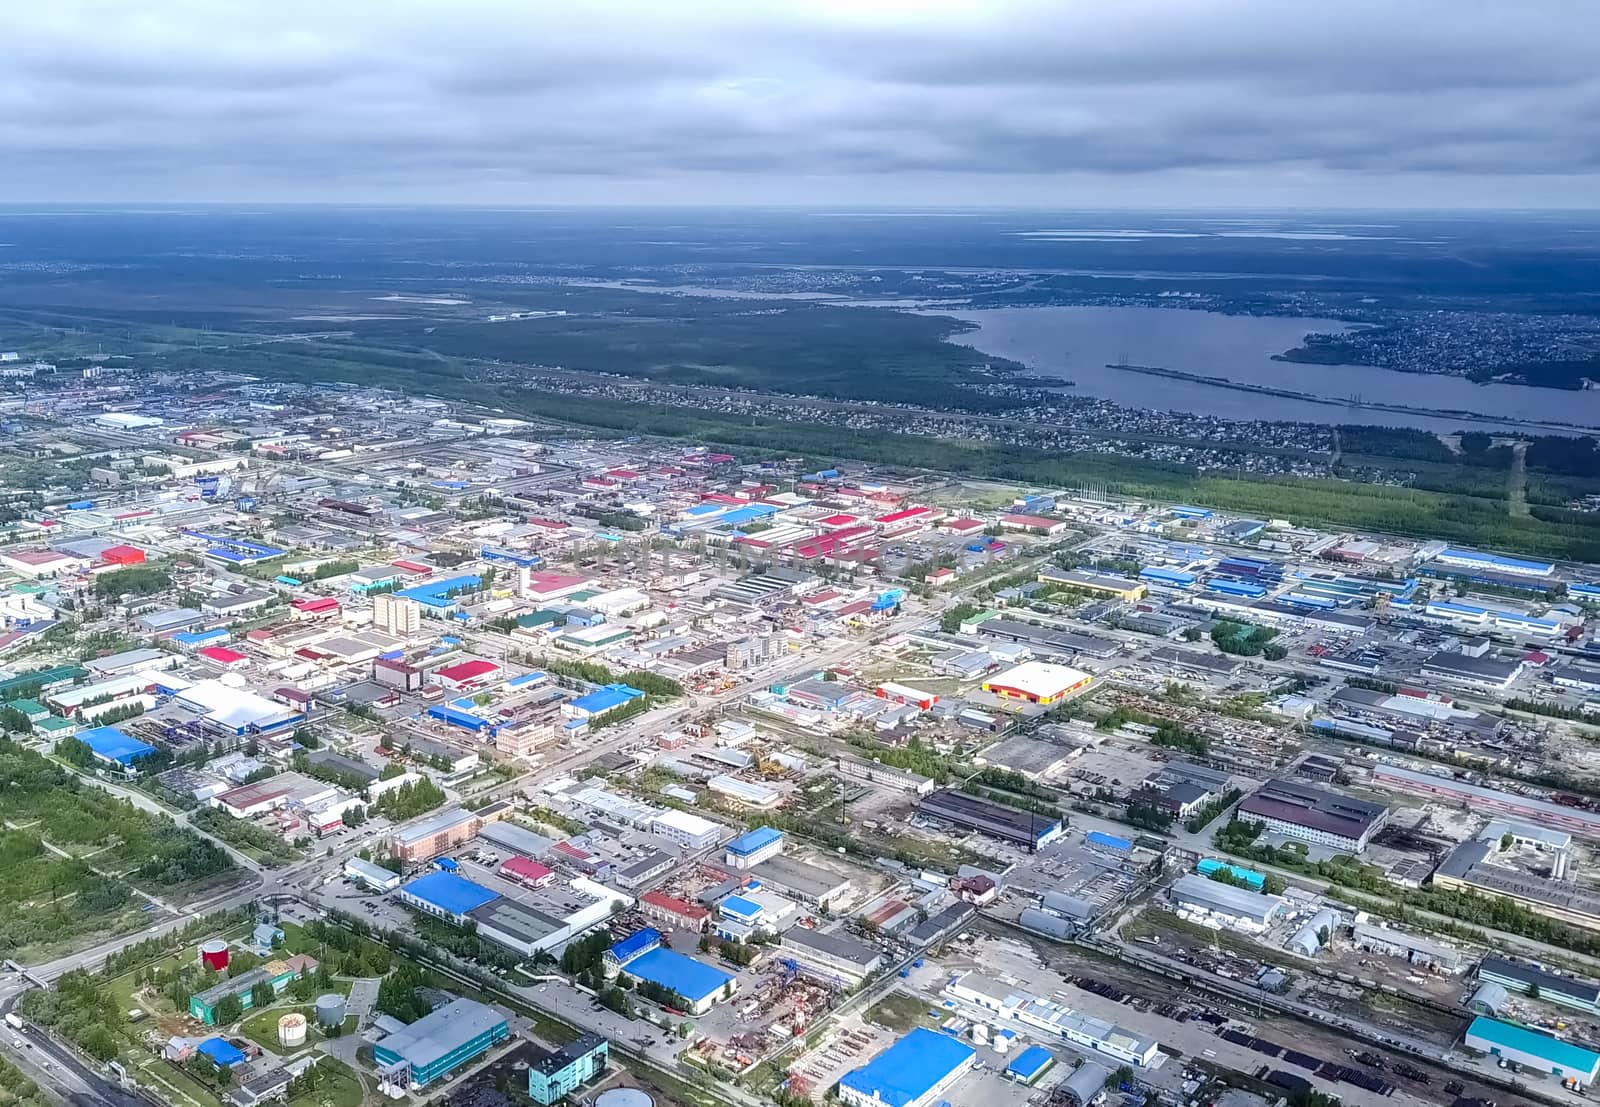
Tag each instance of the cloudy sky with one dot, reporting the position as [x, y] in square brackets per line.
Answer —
[878, 102]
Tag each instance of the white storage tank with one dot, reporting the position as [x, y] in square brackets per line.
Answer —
[624, 1097]
[292, 1030]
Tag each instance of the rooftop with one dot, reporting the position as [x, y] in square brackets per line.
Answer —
[909, 1069]
[452, 894]
[440, 1032]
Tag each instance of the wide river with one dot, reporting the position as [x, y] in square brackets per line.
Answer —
[1079, 343]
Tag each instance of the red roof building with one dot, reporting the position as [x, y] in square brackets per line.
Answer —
[222, 657]
[465, 673]
[674, 912]
[527, 872]
[966, 525]
[122, 555]
[314, 607]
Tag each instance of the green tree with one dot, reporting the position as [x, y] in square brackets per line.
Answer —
[228, 1010]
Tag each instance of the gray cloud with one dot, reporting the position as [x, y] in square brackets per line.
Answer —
[889, 101]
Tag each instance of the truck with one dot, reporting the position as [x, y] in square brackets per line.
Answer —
[13, 1021]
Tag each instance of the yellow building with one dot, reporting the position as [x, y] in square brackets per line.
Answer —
[1123, 588]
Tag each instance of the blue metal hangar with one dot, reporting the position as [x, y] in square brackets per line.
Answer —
[914, 1072]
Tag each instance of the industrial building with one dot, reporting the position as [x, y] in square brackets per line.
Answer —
[833, 958]
[688, 830]
[1039, 682]
[438, 1043]
[114, 749]
[1541, 813]
[1028, 829]
[1418, 949]
[278, 973]
[1466, 868]
[1489, 674]
[1240, 906]
[753, 847]
[1314, 814]
[445, 895]
[874, 772]
[1538, 1052]
[376, 877]
[1056, 1021]
[641, 956]
[1034, 1062]
[915, 1071]
[1123, 588]
[1513, 976]
[802, 881]
[554, 1073]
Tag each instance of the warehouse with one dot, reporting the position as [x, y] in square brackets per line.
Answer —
[1054, 1019]
[438, 1043]
[699, 984]
[1028, 829]
[1581, 995]
[1314, 815]
[1472, 559]
[376, 877]
[113, 748]
[1240, 906]
[226, 709]
[753, 847]
[1542, 813]
[833, 958]
[1123, 588]
[601, 702]
[677, 913]
[1035, 1061]
[1539, 1052]
[1039, 682]
[915, 1071]
[516, 838]
[445, 895]
[1487, 673]
[802, 881]
[1416, 948]
[688, 830]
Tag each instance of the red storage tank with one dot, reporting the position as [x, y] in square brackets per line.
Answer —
[214, 954]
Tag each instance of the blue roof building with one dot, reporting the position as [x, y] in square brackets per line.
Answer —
[1108, 841]
[437, 594]
[1030, 1064]
[602, 700]
[1532, 1049]
[1210, 865]
[698, 983]
[635, 944]
[220, 1052]
[753, 847]
[914, 1072]
[753, 840]
[112, 746]
[1457, 556]
[446, 895]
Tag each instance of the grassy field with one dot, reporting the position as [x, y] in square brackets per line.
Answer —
[899, 1012]
[337, 1086]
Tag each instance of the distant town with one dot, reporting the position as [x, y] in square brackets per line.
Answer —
[366, 746]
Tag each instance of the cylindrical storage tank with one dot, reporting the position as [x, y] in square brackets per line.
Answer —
[1001, 1043]
[292, 1030]
[624, 1097]
[980, 1032]
[330, 1009]
[214, 954]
